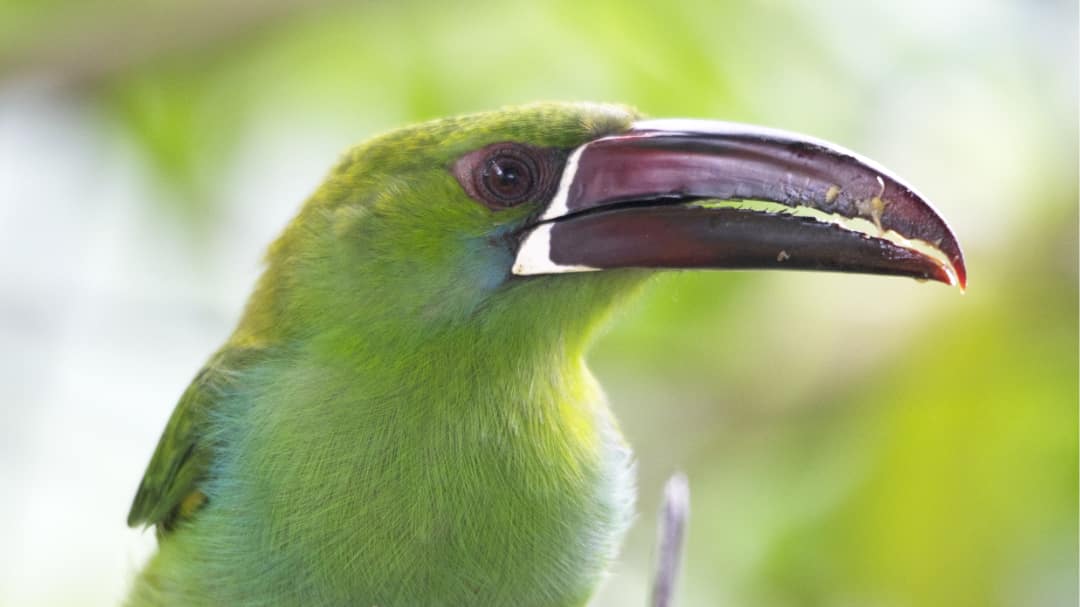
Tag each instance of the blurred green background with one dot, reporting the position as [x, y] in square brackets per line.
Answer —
[849, 440]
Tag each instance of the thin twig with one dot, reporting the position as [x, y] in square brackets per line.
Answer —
[671, 528]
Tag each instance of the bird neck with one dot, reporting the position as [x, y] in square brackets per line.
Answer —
[455, 331]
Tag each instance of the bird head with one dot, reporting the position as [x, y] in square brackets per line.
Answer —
[542, 216]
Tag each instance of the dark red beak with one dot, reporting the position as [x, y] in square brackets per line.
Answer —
[697, 194]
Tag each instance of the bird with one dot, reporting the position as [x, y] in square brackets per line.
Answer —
[403, 414]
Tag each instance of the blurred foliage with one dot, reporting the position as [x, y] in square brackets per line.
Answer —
[971, 475]
[943, 474]
[849, 441]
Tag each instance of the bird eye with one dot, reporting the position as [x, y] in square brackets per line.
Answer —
[504, 175]
[508, 178]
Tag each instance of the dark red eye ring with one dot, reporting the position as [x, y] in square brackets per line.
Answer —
[504, 175]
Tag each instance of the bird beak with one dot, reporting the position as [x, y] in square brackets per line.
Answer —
[699, 194]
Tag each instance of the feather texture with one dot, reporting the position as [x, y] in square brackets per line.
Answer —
[397, 421]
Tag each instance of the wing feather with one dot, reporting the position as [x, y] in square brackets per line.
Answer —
[170, 487]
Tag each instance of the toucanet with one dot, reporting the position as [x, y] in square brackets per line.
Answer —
[403, 415]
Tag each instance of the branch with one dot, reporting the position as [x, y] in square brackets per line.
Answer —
[84, 50]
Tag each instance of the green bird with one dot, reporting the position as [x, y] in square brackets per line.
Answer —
[403, 415]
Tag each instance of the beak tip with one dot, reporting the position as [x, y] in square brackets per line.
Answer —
[953, 272]
[961, 276]
[957, 267]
